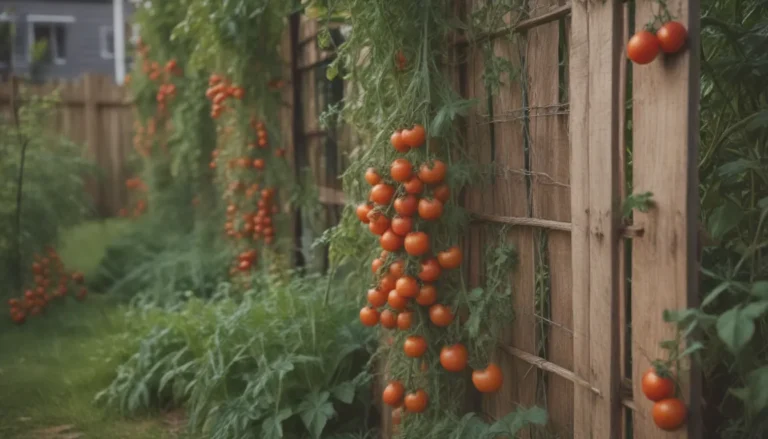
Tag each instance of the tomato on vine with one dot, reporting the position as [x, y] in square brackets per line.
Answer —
[442, 193]
[393, 394]
[669, 414]
[415, 346]
[430, 270]
[454, 358]
[369, 316]
[362, 212]
[432, 173]
[415, 136]
[398, 143]
[415, 186]
[450, 259]
[402, 225]
[388, 319]
[397, 268]
[391, 241]
[427, 295]
[376, 265]
[643, 47]
[382, 194]
[416, 402]
[396, 301]
[656, 387]
[416, 243]
[430, 209]
[378, 223]
[488, 380]
[372, 177]
[671, 36]
[407, 205]
[377, 298]
[404, 320]
[401, 170]
[440, 315]
[407, 286]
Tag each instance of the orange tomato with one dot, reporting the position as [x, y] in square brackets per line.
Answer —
[415, 346]
[398, 143]
[430, 270]
[440, 315]
[416, 402]
[414, 137]
[643, 47]
[671, 36]
[433, 173]
[416, 243]
[372, 177]
[391, 241]
[407, 205]
[488, 380]
[669, 414]
[404, 320]
[415, 186]
[393, 393]
[427, 295]
[377, 298]
[382, 194]
[407, 286]
[396, 301]
[450, 259]
[402, 225]
[362, 212]
[369, 316]
[388, 319]
[655, 387]
[401, 170]
[454, 358]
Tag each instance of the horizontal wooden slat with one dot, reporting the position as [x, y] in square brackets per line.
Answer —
[627, 231]
[523, 25]
[330, 196]
[548, 366]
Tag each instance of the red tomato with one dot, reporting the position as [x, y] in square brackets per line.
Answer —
[440, 315]
[376, 264]
[398, 143]
[407, 286]
[416, 243]
[414, 137]
[396, 301]
[669, 414]
[388, 319]
[672, 36]
[656, 387]
[489, 379]
[442, 193]
[377, 298]
[391, 241]
[427, 295]
[378, 223]
[416, 402]
[404, 320]
[387, 283]
[407, 205]
[402, 225]
[643, 47]
[430, 270]
[382, 193]
[362, 212]
[450, 259]
[432, 173]
[397, 268]
[401, 170]
[414, 186]
[454, 358]
[369, 316]
[415, 346]
[430, 209]
[372, 177]
[393, 393]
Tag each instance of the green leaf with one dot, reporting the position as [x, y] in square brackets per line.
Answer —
[760, 289]
[332, 72]
[757, 386]
[755, 309]
[272, 427]
[447, 113]
[735, 329]
[724, 219]
[344, 392]
[737, 167]
[763, 203]
[315, 411]
[694, 347]
[470, 427]
[714, 294]
[512, 423]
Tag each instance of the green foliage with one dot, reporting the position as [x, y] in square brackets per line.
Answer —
[280, 361]
[53, 193]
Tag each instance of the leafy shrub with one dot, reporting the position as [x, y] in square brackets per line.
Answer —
[284, 360]
[53, 194]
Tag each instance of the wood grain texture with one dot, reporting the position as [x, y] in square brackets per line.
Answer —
[551, 200]
[665, 124]
[594, 75]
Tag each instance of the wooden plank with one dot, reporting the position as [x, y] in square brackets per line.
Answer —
[623, 244]
[551, 200]
[92, 131]
[594, 60]
[665, 106]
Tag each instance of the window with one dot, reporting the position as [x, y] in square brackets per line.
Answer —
[48, 37]
[107, 42]
[6, 42]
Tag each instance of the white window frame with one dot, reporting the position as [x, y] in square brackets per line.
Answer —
[33, 19]
[106, 51]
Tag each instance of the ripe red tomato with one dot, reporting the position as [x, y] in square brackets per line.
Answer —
[382, 193]
[416, 243]
[416, 402]
[671, 36]
[454, 358]
[430, 209]
[407, 205]
[378, 223]
[407, 286]
[427, 295]
[391, 241]
[432, 173]
[430, 270]
[388, 319]
[450, 259]
[258, 163]
[376, 264]
[401, 61]
[643, 47]
[669, 414]
[414, 137]
[397, 415]
[387, 283]
[414, 186]
[396, 301]
[402, 225]
[398, 143]
[369, 316]
[415, 346]
[393, 393]
[440, 315]
[442, 193]
[244, 265]
[362, 212]
[397, 268]
[372, 177]
[489, 379]
[656, 387]
[401, 170]
[377, 298]
[404, 320]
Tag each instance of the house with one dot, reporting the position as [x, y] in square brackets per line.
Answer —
[59, 39]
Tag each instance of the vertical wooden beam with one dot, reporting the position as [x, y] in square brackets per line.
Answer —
[665, 157]
[594, 63]
[90, 98]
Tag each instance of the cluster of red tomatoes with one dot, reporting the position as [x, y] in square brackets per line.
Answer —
[645, 45]
[220, 90]
[165, 93]
[135, 185]
[35, 300]
[407, 270]
[669, 413]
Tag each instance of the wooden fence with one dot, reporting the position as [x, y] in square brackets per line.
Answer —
[557, 135]
[98, 114]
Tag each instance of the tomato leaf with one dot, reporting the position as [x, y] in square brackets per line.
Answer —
[755, 394]
[332, 72]
[315, 411]
[735, 329]
[512, 423]
[724, 219]
[755, 309]
[760, 289]
[272, 427]
[714, 294]
[345, 392]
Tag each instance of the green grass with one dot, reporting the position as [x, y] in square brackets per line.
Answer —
[52, 366]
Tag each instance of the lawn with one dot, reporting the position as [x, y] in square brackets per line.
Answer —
[52, 366]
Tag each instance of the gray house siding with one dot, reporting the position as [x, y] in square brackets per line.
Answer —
[83, 35]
